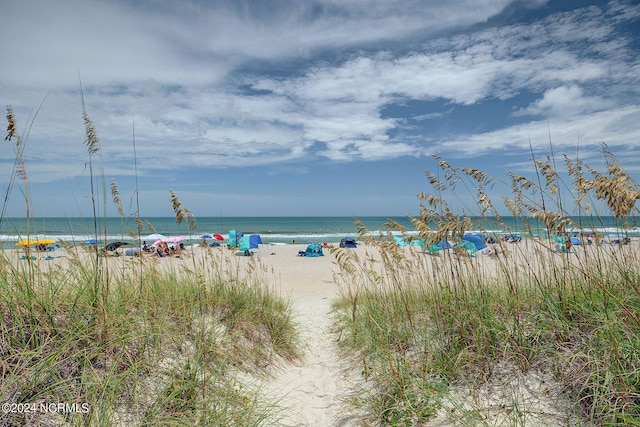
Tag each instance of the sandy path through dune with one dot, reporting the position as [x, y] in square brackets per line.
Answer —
[314, 389]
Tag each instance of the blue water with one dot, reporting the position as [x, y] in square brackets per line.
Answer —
[278, 230]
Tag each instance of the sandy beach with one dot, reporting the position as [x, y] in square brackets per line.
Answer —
[315, 389]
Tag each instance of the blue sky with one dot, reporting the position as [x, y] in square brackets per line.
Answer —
[319, 107]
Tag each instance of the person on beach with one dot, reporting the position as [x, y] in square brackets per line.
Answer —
[177, 250]
[163, 250]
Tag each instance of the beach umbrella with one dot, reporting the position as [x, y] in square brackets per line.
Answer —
[218, 237]
[476, 239]
[45, 242]
[27, 242]
[170, 240]
[206, 236]
[443, 244]
[91, 242]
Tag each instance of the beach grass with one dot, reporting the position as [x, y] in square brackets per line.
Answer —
[523, 336]
[165, 348]
[91, 341]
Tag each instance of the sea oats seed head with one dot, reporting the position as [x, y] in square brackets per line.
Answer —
[91, 136]
[115, 193]
[11, 125]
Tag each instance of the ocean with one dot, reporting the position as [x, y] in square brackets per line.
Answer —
[274, 230]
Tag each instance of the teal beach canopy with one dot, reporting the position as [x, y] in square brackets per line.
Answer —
[314, 250]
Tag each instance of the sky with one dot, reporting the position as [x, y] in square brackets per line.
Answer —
[317, 107]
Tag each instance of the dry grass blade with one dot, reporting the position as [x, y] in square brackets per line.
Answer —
[618, 190]
[21, 170]
[139, 224]
[91, 136]
[182, 213]
[150, 227]
[619, 194]
[549, 174]
[434, 181]
[480, 176]
[177, 207]
[11, 126]
[115, 193]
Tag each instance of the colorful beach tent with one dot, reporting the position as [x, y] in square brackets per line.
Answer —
[313, 250]
[442, 244]
[561, 245]
[255, 240]
[249, 242]
[468, 246]
[476, 239]
[233, 242]
[408, 242]
[573, 240]
[348, 242]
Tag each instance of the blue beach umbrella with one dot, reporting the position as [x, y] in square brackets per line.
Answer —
[476, 239]
[206, 236]
[91, 242]
[444, 244]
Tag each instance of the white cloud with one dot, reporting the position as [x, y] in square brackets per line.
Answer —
[566, 101]
[614, 127]
[196, 43]
[175, 68]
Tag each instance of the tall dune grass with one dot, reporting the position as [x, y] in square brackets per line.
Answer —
[131, 343]
[173, 346]
[524, 337]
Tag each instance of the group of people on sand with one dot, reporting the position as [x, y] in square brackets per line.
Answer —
[162, 249]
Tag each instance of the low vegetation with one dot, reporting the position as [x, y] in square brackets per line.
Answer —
[164, 348]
